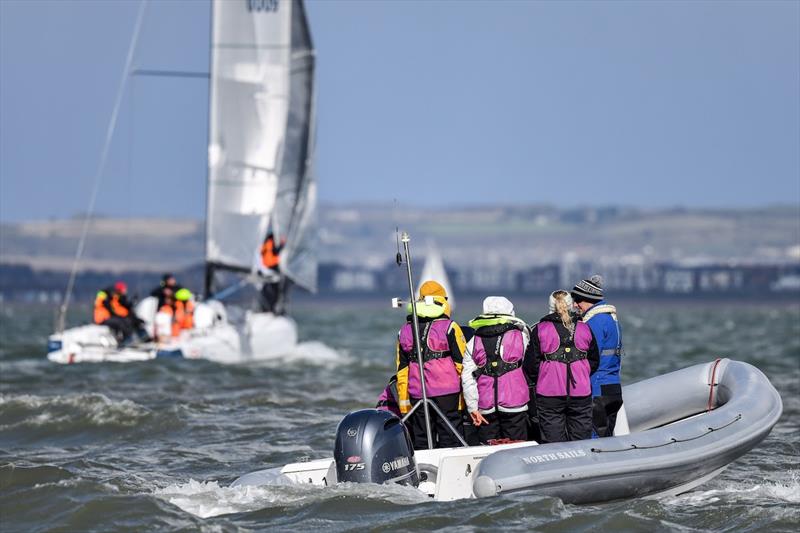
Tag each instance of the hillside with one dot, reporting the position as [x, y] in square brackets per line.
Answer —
[480, 236]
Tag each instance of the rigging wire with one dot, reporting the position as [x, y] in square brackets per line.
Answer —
[101, 167]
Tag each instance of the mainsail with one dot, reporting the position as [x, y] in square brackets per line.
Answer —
[261, 137]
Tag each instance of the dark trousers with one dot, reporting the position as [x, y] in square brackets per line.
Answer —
[563, 418]
[502, 425]
[470, 430]
[604, 414]
[441, 434]
[270, 297]
[533, 418]
[120, 327]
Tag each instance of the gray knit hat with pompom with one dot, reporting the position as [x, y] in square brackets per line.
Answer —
[588, 290]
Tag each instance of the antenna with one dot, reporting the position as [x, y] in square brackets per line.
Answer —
[425, 402]
[398, 258]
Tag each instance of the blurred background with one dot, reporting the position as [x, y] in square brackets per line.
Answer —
[530, 143]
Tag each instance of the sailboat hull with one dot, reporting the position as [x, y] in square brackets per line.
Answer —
[260, 337]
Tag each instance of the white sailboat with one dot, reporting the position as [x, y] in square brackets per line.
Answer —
[434, 269]
[260, 182]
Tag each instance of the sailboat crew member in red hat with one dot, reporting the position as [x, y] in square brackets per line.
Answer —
[113, 309]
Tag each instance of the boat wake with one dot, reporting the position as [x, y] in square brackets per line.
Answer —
[311, 352]
[316, 352]
[784, 490]
[207, 499]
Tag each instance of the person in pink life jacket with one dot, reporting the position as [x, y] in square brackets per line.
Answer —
[494, 385]
[387, 401]
[560, 360]
[442, 343]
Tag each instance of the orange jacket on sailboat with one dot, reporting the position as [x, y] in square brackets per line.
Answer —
[269, 253]
[117, 308]
[101, 312]
[108, 303]
[184, 316]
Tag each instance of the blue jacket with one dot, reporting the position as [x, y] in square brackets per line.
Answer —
[602, 320]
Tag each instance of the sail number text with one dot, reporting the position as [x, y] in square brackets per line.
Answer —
[262, 5]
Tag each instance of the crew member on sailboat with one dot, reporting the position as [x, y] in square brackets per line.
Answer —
[168, 284]
[271, 297]
[113, 309]
[180, 310]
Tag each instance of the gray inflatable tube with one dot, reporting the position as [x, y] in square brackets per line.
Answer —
[675, 441]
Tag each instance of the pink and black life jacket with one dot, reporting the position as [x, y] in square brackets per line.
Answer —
[564, 369]
[498, 351]
[441, 376]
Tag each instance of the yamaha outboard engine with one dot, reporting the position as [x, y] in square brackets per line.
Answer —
[373, 446]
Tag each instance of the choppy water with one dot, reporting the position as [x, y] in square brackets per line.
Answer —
[153, 445]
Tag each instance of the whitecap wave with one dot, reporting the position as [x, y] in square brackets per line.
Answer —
[94, 409]
[207, 498]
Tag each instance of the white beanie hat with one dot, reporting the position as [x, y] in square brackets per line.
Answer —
[497, 305]
[552, 300]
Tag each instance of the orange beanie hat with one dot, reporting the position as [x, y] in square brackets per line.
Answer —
[432, 288]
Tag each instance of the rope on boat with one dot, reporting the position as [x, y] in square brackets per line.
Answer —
[112, 123]
[711, 385]
[671, 441]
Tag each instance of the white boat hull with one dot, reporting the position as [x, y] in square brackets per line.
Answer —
[449, 471]
[261, 337]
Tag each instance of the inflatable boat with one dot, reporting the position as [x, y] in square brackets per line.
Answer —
[675, 432]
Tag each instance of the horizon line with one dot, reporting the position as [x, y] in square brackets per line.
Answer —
[366, 205]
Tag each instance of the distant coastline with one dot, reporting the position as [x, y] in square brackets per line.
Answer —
[676, 252]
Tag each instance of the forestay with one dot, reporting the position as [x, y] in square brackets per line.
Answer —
[261, 136]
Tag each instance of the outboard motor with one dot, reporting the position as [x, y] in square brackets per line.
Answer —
[373, 446]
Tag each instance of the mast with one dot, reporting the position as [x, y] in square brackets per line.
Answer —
[209, 269]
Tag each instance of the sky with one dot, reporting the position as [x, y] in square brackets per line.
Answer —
[426, 103]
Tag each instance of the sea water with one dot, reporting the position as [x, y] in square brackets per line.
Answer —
[154, 445]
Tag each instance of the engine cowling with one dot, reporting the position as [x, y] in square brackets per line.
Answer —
[373, 446]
